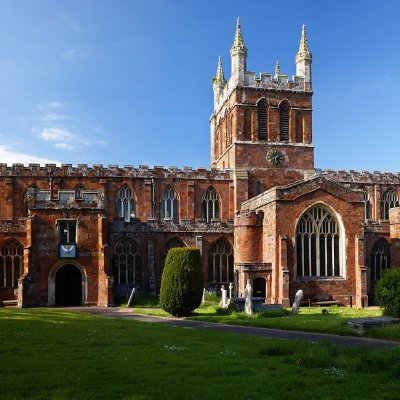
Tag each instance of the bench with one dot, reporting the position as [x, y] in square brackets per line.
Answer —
[324, 300]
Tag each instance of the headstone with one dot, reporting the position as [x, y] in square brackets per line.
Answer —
[224, 297]
[297, 301]
[131, 297]
[248, 298]
[230, 289]
[203, 300]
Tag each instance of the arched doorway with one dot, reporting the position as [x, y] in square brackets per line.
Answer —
[68, 286]
[259, 287]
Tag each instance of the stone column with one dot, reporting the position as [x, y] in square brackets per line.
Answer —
[394, 219]
[361, 274]
[150, 265]
[105, 278]
[283, 272]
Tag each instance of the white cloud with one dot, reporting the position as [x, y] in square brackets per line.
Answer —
[51, 117]
[54, 104]
[56, 134]
[10, 156]
[65, 146]
[69, 53]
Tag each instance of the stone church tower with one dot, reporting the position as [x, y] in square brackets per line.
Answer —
[261, 126]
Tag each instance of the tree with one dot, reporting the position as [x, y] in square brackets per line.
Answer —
[387, 292]
[182, 281]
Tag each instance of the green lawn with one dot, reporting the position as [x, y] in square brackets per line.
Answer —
[53, 354]
[309, 319]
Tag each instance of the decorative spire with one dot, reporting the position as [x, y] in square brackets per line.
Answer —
[219, 78]
[277, 70]
[238, 41]
[304, 51]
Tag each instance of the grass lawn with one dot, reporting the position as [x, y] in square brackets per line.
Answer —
[53, 354]
[309, 319]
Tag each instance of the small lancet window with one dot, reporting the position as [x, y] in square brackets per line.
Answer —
[262, 119]
[367, 205]
[284, 110]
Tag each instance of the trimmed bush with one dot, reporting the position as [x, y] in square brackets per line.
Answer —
[387, 292]
[182, 281]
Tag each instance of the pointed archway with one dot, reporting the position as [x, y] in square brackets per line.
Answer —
[68, 286]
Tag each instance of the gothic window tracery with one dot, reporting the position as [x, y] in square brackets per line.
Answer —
[127, 263]
[125, 203]
[79, 191]
[220, 262]
[169, 205]
[11, 255]
[367, 205]
[380, 259]
[210, 205]
[389, 200]
[318, 244]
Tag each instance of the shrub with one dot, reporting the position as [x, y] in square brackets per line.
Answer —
[182, 281]
[387, 292]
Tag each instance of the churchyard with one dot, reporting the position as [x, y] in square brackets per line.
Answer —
[54, 354]
[309, 319]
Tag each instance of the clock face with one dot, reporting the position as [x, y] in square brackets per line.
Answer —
[275, 158]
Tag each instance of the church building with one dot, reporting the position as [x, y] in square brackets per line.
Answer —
[85, 235]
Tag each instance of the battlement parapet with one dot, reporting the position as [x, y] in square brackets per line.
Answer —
[360, 177]
[249, 218]
[113, 170]
[7, 226]
[265, 81]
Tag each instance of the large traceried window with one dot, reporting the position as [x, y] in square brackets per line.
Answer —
[173, 243]
[389, 200]
[284, 110]
[210, 205]
[380, 259]
[262, 119]
[318, 244]
[11, 255]
[125, 204]
[169, 205]
[127, 263]
[220, 262]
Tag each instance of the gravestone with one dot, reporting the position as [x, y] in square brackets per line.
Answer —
[230, 289]
[297, 301]
[224, 297]
[203, 300]
[248, 298]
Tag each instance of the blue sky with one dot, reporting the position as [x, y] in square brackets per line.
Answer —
[129, 81]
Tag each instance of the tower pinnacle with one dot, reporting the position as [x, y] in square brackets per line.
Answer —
[304, 52]
[238, 41]
[219, 78]
[304, 59]
[277, 69]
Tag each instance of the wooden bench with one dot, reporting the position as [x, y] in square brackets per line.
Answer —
[324, 300]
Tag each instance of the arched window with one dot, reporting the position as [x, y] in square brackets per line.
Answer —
[79, 192]
[11, 255]
[210, 205]
[127, 263]
[389, 200]
[367, 205]
[299, 127]
[262, 119]
[318, 244]
[284, 110]
[125, 204]
[173, 243]
[380, 259]
[169, 205]
[220, 262]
